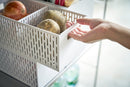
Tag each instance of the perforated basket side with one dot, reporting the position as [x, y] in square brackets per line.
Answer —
[18, 67]
[32, 5]
[30, 42]
[70, 16]
[36, 17]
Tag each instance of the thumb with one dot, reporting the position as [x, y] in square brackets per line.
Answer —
[84, 21]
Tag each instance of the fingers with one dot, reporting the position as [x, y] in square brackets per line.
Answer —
[77, 34]
[93, 22]
[69, 24]
[96, 33]
[81, 30]
[74, 35]
[84, 21]
[87, 36]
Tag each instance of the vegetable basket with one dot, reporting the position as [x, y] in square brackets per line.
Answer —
[23, 45]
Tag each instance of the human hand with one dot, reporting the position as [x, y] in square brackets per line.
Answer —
[69, 24]
[98, 30]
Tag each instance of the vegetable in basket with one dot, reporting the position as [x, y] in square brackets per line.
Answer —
[15, 10]
[50, 25]
[54, 21]
[56, 16]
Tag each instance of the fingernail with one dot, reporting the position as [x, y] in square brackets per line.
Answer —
[68, 37]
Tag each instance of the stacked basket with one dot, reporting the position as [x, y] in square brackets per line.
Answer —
[22, 44]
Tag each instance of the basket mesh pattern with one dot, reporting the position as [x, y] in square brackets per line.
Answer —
[70, 16]
[30, 42]
[18, 67]
[32, 6]
[34, 18]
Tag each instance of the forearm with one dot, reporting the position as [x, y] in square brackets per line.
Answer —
[119, 34]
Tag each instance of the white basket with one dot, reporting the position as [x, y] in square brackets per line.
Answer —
[18, 67]
[22, 44]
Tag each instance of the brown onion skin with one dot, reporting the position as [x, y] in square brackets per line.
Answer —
[15, 10]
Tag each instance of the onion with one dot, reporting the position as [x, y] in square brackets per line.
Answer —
[15, 10]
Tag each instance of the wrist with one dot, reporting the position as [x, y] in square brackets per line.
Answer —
[111, 32]
[107, 30]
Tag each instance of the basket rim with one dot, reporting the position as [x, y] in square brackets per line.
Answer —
[30, 26]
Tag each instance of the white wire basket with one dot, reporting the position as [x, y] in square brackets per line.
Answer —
[22, 44]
